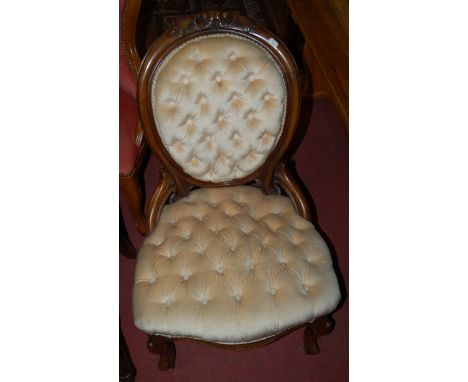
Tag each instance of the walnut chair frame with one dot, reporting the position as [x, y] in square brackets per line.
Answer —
[271, 176]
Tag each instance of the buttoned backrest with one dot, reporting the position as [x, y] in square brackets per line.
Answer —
[219, 105]
[215, 99]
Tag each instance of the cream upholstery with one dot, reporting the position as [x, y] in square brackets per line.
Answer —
[219, 106]
[232, 265]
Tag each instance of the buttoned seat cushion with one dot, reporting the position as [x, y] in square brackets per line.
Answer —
[232, 265]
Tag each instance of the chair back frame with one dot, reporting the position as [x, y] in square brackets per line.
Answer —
[214, 23]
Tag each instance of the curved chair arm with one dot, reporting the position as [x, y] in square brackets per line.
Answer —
[286, 181]
[164, 189]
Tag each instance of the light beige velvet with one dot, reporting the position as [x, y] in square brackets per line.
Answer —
[219, 106]
[232, 265]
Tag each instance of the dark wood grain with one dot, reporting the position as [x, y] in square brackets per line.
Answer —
[127, 37]
[324, 24]
[165, 348]
[319, 327]
[293, 190]
[164, 189]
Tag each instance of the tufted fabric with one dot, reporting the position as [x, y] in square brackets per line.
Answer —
[219, 106]
[232, 265]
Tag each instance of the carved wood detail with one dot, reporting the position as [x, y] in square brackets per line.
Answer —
[127, 35]
[319, 327]
[164, 189]
[192, 27]
[165, 348]
[293, 190]
[212, 20]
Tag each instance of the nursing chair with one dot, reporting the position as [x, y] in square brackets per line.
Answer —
[231, 259]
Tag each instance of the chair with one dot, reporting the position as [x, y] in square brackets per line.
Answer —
[132, 147]
[229, 262]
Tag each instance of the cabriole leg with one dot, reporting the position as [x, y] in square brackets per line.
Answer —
[319, 327]
[165, 348]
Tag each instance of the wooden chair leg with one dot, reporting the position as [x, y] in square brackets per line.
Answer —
[165, 348]
[319, 327]
[134, 195]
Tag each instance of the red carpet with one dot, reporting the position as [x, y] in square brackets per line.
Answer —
[322, 162]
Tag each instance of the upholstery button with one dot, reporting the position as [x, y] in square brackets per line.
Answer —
[252, 155]
[185, 81]
[237, 297]
[272, 291]
[220, 271]
[235, 98]
[203, 101]
[218, 79]
[250, 116]
[185, 277]
[267, 97]
[204, 301]
[233, 57]
[220, 118]
[168, 302]
[189, 121]
[266, 138]
[251, 78]
[251, 266]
